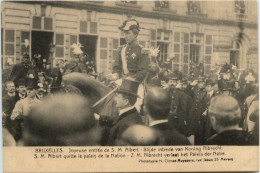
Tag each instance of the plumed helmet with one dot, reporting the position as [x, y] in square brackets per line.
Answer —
[129, 25]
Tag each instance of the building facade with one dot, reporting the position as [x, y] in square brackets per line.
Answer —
[189, 33]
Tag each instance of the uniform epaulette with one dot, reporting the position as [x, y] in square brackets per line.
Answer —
[145, 50]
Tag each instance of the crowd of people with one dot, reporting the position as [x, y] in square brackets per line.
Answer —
[154, 105]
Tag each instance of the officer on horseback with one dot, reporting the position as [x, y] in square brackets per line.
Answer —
[132, 59]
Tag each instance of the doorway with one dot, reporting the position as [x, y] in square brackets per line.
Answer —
[41, 42]
[89, 44]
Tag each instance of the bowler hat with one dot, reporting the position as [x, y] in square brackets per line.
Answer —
[129, 86]
[129, 25]
[31, 83]
[21, 82]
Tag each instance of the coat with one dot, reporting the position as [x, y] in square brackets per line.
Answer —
[120, 124]
[137, 62]
[19, 71]
[228, 137]
[168, 135]
[197, 109]
[8, 106]
[180, 111]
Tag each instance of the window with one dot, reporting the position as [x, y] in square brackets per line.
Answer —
[93, 27]
[129, 2]
[163, 35]
[83, 26]
[161, 4]
[37, 22]
[9, 42]
[208, 54]
[59, 45]
[163, 51]
[25, 35]
[194, 6]
[240, 7]
[195, 53]
[73, 40]
[196, 46]
[163, 40]
[48, 23]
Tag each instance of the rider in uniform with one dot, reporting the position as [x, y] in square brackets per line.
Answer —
[132, 59]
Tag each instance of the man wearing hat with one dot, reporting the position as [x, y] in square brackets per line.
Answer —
[125, 99]
[198, 108]
[22, 90]
[132, 60]
[180, 105]
[206, 129]
[75, 65]
[22, 107]
[23, 70]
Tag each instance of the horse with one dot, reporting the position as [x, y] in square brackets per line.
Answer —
[91, 89]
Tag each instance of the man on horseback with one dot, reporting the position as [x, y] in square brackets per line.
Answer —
[132, 60]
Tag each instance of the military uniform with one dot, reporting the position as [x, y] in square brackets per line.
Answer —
[180, 110]
[132, 59]
[198, 107]
[137, 61]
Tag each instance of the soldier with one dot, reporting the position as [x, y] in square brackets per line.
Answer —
[75, 65]
[180, 106]
[198, 107]
[132, 59]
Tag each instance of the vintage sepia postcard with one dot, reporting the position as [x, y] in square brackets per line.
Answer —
[130, 86]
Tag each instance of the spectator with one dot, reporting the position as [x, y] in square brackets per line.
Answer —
[23, 70]
[225, 115]
[23, 106]
[125, 99]
[9, 101]
[61, 120]
[157, 108]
